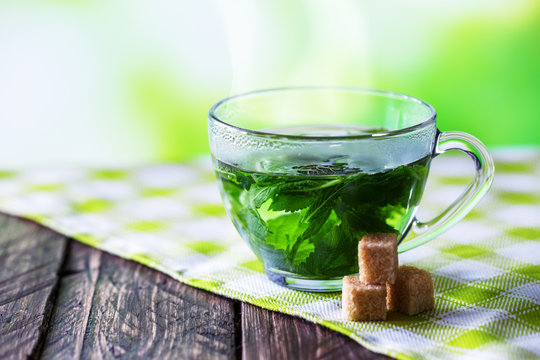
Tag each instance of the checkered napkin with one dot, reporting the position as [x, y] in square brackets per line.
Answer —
[169, 217]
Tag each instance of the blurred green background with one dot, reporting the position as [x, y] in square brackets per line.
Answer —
[103, 82]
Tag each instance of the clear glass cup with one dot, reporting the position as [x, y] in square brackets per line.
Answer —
[306, 172]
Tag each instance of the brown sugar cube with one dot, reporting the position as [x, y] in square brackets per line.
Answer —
[362, 301]
[377, 258]
[412, 292]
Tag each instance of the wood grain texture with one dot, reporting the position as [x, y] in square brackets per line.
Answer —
[271, 335]
[137, 312]
[66, 331]
[60, 299]
[30, 257]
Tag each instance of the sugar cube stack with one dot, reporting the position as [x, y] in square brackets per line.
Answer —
[365, 297]
[412, 292]
[381, 285]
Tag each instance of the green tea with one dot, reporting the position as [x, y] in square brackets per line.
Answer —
[307, 219]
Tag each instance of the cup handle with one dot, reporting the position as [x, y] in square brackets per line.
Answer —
[422, 232]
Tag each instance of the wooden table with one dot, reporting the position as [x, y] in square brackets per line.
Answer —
[62, 299]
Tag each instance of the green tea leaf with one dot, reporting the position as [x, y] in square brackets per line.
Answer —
[256, 225]
[309, 222]
[258, 195]
[291, 201]
[284, 233]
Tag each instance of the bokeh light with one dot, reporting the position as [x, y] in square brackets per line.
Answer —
[112, 82]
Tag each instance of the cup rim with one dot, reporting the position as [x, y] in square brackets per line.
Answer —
[430, 120]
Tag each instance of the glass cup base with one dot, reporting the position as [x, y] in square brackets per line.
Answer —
[297, 282]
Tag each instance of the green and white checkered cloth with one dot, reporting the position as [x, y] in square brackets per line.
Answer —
[169, 217]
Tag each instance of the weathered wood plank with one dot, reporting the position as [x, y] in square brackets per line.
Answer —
[106, 307]
[31, 257]
[271, 335]
[139, 313]
[67, 327]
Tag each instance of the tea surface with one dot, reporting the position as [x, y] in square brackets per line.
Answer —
[307, 219]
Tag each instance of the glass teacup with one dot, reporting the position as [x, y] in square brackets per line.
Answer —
[306, 172]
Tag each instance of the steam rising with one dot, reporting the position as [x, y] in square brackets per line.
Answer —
[293, 43]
